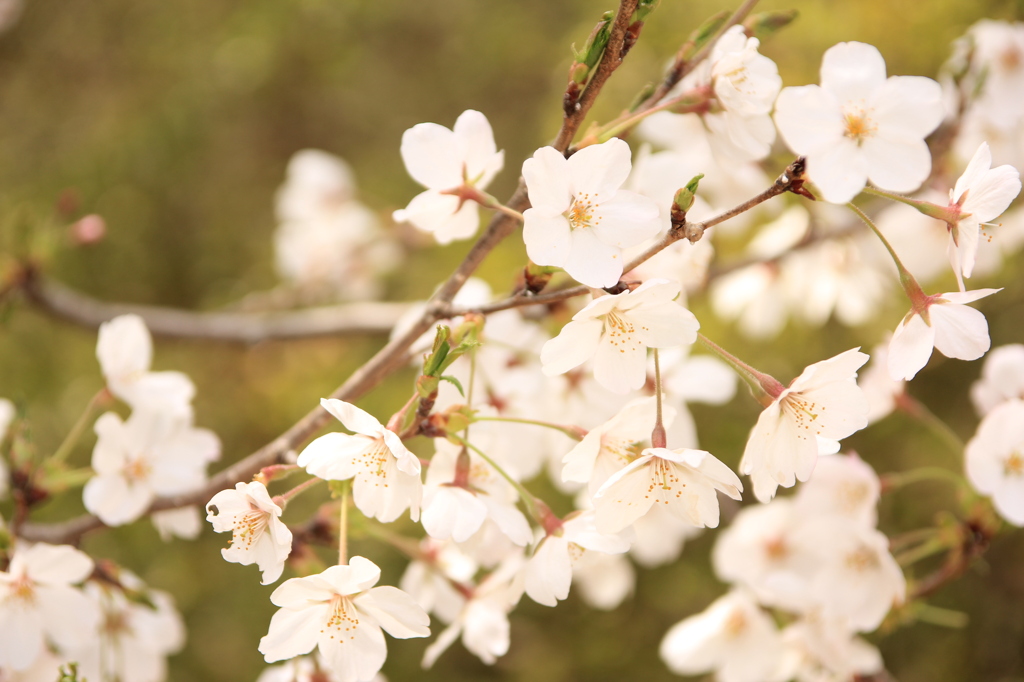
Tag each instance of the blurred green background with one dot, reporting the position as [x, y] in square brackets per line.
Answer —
[174, 120]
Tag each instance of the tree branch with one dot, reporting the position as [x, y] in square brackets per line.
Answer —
[389, 358]
[65, 303]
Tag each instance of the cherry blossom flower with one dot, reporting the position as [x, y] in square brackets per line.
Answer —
[441, 159]
[881, 390]
[942, 322]
[135, 638]
[549, 571]
[981, 194]
[614, 444]
[341, 613]
[616, 331]
[660, 537]
[147, 456]
[810, 416]
[994, 459]
[327, 243]
[602, 580]
[125, 352]
[733, 637]
[38, 603]
[859, 126]
[580, 219]
[1002, 378]
[683, 481]
[387, 475]
[483, 620]
[257, 534]
[431, 581]
[824, 649]
[844, 486]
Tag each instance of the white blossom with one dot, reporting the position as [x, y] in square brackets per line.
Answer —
[808, 418]
[257, 534]
[859, 126]
[441, 159]
[994, 459]
[386, 475]
[616, 330]
[39, 604]
[942, 322]
[1002, 378]
[340, 612]
[580, 219]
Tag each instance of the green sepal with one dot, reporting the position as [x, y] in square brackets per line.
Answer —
[592, 50]
[764, 25]
[644, 9]
[454, 382]
[703, 34]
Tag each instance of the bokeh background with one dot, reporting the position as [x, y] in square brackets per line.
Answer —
[174, 121]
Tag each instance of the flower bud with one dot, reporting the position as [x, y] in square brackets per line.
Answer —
[683, 201]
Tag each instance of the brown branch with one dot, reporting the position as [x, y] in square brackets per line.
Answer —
[384, 362]
[65, 303]
[791, 179]
[610, 60]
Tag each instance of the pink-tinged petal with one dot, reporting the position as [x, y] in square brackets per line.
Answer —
[362, 574]
[405, 460]
[665, 326]
[69, 617]
[754, 452]
[352, 417]
[335, 456]
[293, 632]
[809, 119]
[626, 220]
[977, 168]
[896, 164]
[548, 573]
[21, 636]
[835, 410]
[839, 172]
[579, 462]
[384, 494]
[721, 476]
[475, 140]
[547, 181]
[548, 238]
[910, 347]
[298, 593]
[623, 498]
[993, 194]
[56, 564]
[355, 656]
[852, 71]
[108, 456]
[441, 644]
[960, 331]
[573, 346]
[620, 363]
[599, 170]
[842, 367]
[582, 530]
[964, 297]
[395, 611]
[764, 485]
[430, 155]
[116, 501]
[463, 224]
[167, 391]
[451, 512]
[1009, 500]
[440, 215]
[509, 520]
[592, 262]
[124, 346]
[907, 107]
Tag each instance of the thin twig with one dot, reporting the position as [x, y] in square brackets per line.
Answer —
[65, 303]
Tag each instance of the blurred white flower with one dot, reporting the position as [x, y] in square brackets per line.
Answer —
[581, 219]
[844, 486]
[39, 604]
[125, 352]
[147, 456]
[994, 459]
[1002, 378]
[859, 126]
[881, 390]
[441, 159]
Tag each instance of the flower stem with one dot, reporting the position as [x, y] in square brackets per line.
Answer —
[765, 387]
[658, 437]
[922, 551]
[76, 431]
[947, 618]
[910, 285]
[926, 207]
[574, 432]
[919, 411]
[902, 478]
[284, 498]
[343, 528]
